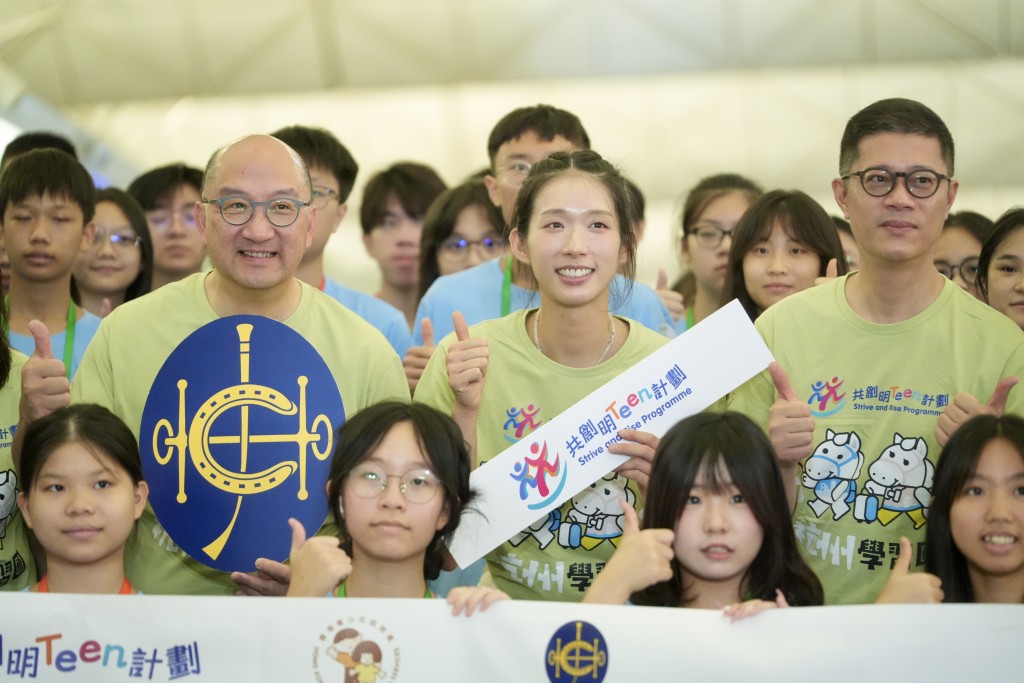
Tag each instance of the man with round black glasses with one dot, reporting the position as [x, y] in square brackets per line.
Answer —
[878, 368]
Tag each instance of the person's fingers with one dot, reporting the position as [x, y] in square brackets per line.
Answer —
[41, 336]
[902, 566]
[832, 269]
[298, 535]
[781, 381]
[630, 521]
[427, 332]
[461, 328]
[105, 308]
[662, 279]
[997, 404]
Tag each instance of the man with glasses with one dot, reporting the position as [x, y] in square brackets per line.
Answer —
[256, 218]
[332, 171]
[876, 369]
[168, 195]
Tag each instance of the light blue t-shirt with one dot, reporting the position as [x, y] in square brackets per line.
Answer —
[476, 292]
[382, 315]
[85, 328]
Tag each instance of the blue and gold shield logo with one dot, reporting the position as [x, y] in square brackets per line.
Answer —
[577, 652]
[236, 438]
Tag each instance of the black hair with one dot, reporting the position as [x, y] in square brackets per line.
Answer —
[50, 172]
[957, 464]
[137, 220]
[546, 121]
[440, 221]
[156, 186]
[89, 424]
[976, 225]
[1007, 224]
[701, 444]
[319, 147]
[414, 186]
[894, 115]
[441, 442]
[26, 142]
[801, 218]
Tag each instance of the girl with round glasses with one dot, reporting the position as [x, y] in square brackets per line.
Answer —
[118, 266]
[398, 484]
[959, 246]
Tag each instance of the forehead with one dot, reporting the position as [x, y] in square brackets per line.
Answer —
[399, 450]
[259, 166]
[1013, 244]
[900, 151]
[323, 177]
[532, 148]
[574, 191]
[46, 202]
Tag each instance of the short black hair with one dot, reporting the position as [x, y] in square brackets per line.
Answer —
[319, 147]
[47, 172]
[415, 186]
[546, 121]
[26, 142]
[894, 115]
[155, 186]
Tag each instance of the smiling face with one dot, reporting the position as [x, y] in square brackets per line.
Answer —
[777, 267]
[985, 518]
[107, 267]
[82, 506]
[717, 536]
[1006, 277]
[710, 265]
[573, 243]
[256, 255]
[43, 236]
[389, 527]
[898, 228]
[474, 226]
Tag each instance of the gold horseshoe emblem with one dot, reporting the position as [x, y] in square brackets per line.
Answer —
[577, 658]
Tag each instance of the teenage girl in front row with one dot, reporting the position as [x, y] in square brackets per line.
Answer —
[715, 535]
[83, 491]
[398, 484]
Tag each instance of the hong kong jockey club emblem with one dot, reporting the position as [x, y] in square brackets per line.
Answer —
[236, 438]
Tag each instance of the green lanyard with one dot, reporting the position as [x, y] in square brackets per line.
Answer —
[69, 334]
[690, 318]
[506, 289]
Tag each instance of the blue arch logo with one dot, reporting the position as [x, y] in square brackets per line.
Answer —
[236, 437]
[577, 652]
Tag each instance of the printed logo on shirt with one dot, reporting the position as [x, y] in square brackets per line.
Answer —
[520, 422]
[576, 652]
[541, 478]
[825, 398]
[356, 648]
[236, 437]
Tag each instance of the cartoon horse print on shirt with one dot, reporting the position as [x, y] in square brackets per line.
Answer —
[901, 482]
[832, 471]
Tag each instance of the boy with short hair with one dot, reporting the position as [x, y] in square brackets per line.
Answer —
[47, 199]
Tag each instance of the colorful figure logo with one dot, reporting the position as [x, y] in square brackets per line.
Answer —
[825, 398]
[219, 450]
[519, 421]
[533, 473]
[577, 652]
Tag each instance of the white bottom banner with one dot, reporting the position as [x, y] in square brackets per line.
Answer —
[164, 638]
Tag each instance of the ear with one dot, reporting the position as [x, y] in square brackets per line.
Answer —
[839, 192]
[88, 235]
[684, 249]
[518, 245]
[443, 517]
[368, 243]
[200, 213]
[310, 225]
[954, 185]
[491, 183]
[141, 496]
[342, 212]
[23, 506]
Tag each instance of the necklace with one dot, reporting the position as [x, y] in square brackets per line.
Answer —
[611, 338]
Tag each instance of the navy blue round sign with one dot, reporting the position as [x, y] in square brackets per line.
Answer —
[236, 438]
[576, 652]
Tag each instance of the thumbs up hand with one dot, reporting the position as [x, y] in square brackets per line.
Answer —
[672, 299]
[416, 357]
[790, 425]
[44, 382]
[906, 587]
[319, 565]
[964, 406]
[466, 363]
[642, 559]
[831, 273]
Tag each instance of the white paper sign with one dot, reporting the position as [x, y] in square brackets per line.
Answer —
[570, 452]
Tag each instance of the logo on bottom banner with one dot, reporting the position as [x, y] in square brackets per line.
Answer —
[356, 649]
[577, 652]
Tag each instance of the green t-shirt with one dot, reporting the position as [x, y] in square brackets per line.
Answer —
[557, 557]
[876, 392]
[17, 567]
[130, 348]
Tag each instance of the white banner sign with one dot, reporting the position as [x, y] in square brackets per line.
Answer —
[173, 638]
[570, 452]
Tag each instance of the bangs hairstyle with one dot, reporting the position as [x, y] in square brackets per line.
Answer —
[442, 444]
[414, 186]
[320, 148]
[895, 115]
[957, 464]
[1007, 224]
[143, 282]
[48, 172]
[802, 219]
[711, 188]
[100, 431]
[700, 444]
[26, 142]
[546, 121]
[976, 225]
[155, 187]
[592, 165]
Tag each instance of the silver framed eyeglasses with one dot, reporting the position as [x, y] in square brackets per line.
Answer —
[280, 211]
[968, 269]
[121, 240]
[878, 182]
[418, 485]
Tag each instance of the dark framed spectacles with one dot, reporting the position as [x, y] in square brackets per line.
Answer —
[281, 211]
[968, 269]
[321, 195]
[878, 182]
[709, 236]
[457, 248]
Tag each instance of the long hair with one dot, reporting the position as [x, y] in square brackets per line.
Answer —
[958, 463]
[700, 444]
[130, 207]
[1005, 226]
[439, 439]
